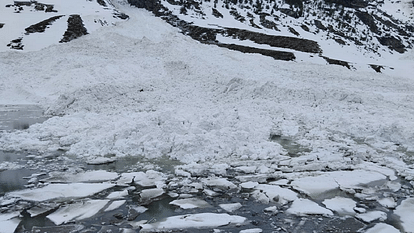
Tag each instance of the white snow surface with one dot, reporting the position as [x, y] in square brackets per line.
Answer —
[307, 207]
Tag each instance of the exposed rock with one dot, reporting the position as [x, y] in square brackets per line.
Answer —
[337, 62]
[278, 55]
[392, 43]
[75, 29]
[41, 26]
[216, 13]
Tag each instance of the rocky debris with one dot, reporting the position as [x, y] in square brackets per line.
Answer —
[75, 29]
[1, 25]
[392, 43]
[278, 55]
[16, 44]
[216, 13]
[41, 26]
[377, 68]
[102, 3]
[350, 3]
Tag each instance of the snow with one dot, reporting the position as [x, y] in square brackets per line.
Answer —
[307, 207]
[142, 89]
[202, 220]
[77, 211]
[60, 191]
[253, 230]
[405, 212]
[190, 203]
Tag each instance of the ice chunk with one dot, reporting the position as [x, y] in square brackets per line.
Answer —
[190, 203]
[60, 191]
[115, 205]
[382, 228]
[221, 183]
[249, 185]
[388, 202]
[271, 209]
[89, 176]
[406, 213]
[77, 211]
[100, 160]
[307, 207]
[149, 179]
[41, 209]
[148, 194]
[246, 169]
[231, 207]
[274, 193]
[118, 195]
[372, 216]
[9, 222]
[341, 205]
[315, 185]
[202, 220]
[254, 230]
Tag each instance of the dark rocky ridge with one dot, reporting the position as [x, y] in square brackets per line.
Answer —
[41, 26]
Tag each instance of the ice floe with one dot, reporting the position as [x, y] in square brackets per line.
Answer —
[315, 185]
[150, 178]
[190, 203]
[88, 176]
[115, 205]
[372, 216]
[307, 207]
[61, 191]
[77, 211]
[406, 213]
[202, 220]
[253, 230]
[341, 205]
[231, 206]
[221, 183]
[382, 228]
[273, 193]
[9, 222]
[148, 194]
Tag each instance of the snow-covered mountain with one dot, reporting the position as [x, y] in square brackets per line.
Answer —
[342, 32]
[31, 25]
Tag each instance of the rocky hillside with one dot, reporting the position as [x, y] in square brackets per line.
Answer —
[281, 28]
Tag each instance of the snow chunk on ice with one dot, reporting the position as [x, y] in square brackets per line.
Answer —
[190, 203]
[372, 216]
[203, 220]
[315, 185]
[100, 160]
[221, 183]
[307, 207]
[341, 205]
[406, 213]
[231, 207]
[77, 211]
[382, 228]
[60, 191]
[89, 176]
[249, 185]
